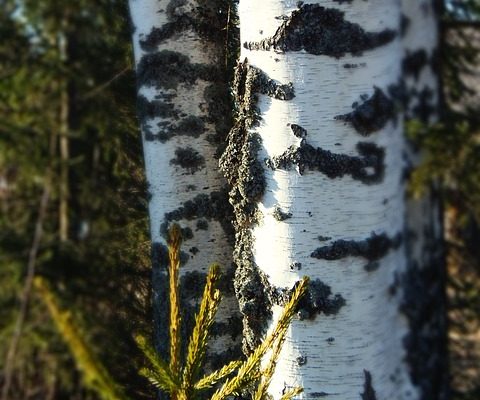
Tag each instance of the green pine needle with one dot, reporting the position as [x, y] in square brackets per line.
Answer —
[211, 380]
[183, 384]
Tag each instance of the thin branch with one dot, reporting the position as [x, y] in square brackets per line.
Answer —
[459, 23]
[27, 288]
[104, 85]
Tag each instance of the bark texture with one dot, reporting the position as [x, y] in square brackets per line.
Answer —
[316, 162]
[426, 313]
[184, 114]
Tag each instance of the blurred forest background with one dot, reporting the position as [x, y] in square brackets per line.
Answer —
[73, 201]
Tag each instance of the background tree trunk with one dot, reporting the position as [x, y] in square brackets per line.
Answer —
[180, 53]
[316, 164]
[426, 313]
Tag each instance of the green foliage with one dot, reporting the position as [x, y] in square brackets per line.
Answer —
[184, 382]
[452, 158]
[103, 270]
[95, 375]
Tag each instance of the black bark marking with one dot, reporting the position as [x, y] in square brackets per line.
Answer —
[372, 249]
[189, 159]
[233, 326]
[245, 174]
[319, 394]
[202, 225]
[354, 66]
[206, 20]
[217, 360]
[368, 169]
[167, 69]
[319, 30]
[156, 108]
[317, 300]
[372, 114]
[368, 391]
[425, 107]
[302, 360]
[213, 206]
[298, 131]
[404, 25]
[189, 126]
[414, 62]
[324, 238]
[424, 305]
[296, 266]
[280, 215]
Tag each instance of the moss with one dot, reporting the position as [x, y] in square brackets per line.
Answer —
[322, 31]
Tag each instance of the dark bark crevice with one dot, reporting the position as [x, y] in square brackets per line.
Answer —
[245, 174]
[368, 169]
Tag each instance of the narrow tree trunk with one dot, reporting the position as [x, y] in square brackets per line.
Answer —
[64, 142]
[185, 115]
[316, 167]
[426, 313]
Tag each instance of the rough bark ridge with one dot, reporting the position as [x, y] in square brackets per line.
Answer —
[184, 114]
[426, 341]
[317, 189]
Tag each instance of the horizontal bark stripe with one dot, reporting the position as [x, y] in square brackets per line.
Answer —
[322, 31]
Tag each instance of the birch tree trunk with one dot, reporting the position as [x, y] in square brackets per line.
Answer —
[316, 163]
[184, 113]
[426, 343]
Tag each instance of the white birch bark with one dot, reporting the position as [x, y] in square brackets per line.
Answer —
[331, 204]
[427, 348]
[184, 114]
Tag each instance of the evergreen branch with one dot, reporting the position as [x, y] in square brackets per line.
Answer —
[94, 374]
[164, 377]
[292, 393]
[174, 242]
[160, 379]
[29, 279]
[253, 362]
[267, 373]
[197, 345]
[211, 380]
